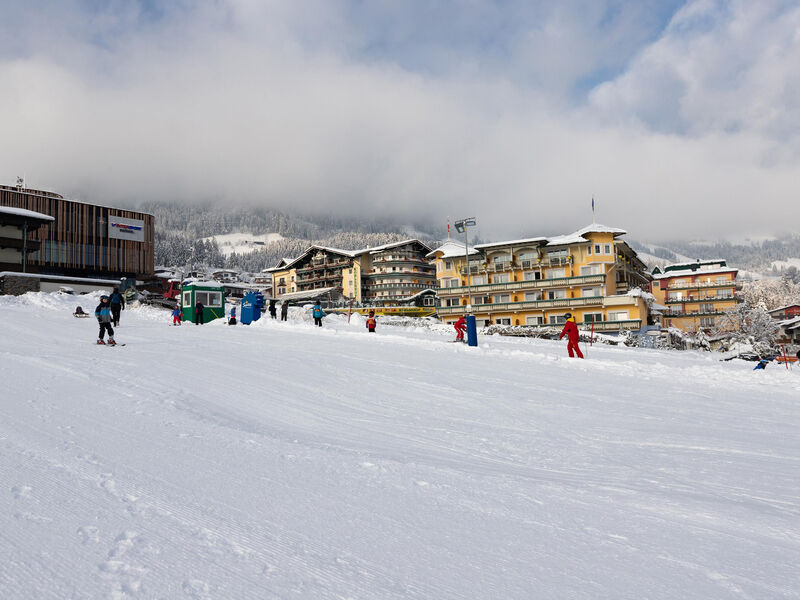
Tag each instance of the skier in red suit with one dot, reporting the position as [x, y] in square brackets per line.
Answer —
[461, 328]
[571, 331]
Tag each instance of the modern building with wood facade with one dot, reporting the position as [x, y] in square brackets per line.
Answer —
[86, 240]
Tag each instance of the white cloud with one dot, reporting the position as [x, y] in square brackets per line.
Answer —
[294, 104]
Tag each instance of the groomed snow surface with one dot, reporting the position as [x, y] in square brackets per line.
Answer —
[283, 460]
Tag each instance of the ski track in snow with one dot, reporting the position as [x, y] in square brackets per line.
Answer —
[283, 460]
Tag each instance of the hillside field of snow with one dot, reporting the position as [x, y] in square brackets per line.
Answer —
[242, 243]
[282, 460]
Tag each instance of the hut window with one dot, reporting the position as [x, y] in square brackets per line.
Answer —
[209, 299]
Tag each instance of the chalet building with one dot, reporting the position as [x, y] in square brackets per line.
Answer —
[383, 275]
[397, 272]
[788, 318]
[695, 293]
[534, 281]
[86, 240]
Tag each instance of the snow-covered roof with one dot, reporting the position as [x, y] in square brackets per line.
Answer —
[695, 263]
[783, 308]
[598, 228]
[510, 243]
[680, 274]
[417, 295]
[375, 249]
[60, 278]
[24, 213]
[578, 237]
[451, 249]
[214, 284]
[307, 294]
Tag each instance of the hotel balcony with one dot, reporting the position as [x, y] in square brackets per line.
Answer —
[524, 305]
[704, 285]
[531, 284]
[689, 299]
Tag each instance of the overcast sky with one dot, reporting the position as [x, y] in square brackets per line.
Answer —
[682, 119]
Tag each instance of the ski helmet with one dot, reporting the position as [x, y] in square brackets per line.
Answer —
[567, 315]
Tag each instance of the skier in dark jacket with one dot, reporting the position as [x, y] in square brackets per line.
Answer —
[273, 310]
[117, 302]
[317, 313]
[284, 310]
[198, 313]
[571, 331]
[103, 315]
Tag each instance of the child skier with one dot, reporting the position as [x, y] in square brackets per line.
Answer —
[371, 322]
[232, 320]
[460, 327]
[176, 316]
[571, 331]
[104, 318]
[317, 313]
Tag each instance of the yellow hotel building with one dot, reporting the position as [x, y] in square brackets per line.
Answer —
[696, 294]
[534, 281]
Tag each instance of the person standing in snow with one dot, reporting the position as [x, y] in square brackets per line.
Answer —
[176, 316]
[371, 322]
[103, 315]
[461, 328]
[117, 302]
[273, 311]
[284, 310]
[317, 313]
[571, 331]
[198, 313]
[232, 320]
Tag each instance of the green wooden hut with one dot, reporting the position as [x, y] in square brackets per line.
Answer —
[210, 293]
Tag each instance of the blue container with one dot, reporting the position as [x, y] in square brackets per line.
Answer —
[250, 307]
[472, 331]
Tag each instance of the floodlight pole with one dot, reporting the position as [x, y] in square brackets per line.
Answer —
[469, 284]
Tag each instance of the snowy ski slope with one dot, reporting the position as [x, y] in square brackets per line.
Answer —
[286, 461]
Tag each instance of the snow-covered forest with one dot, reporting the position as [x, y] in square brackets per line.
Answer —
[179, 229]
[757, 256]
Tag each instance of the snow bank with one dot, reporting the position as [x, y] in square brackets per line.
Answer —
[286, 460]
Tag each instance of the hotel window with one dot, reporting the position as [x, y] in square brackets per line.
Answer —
[452, 301]
[482, 300]
[478, 279]
[532, 275]
[589, 250]
[707, 308]
[590, 292]
[618, 315]
[556, 294]
[587, 317]
[555, 273]
[706, 321]
[502, 298]
[592, 270]
[533, 296]
[448, 265]
[597, 248]
[500, 278]
[607, 248]
[503, 321]
[533, 320]
[557, 320]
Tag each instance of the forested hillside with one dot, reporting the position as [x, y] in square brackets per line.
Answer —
[179, 229]
[756, 256]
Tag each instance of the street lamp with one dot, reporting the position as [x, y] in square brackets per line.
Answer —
[461, 227]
